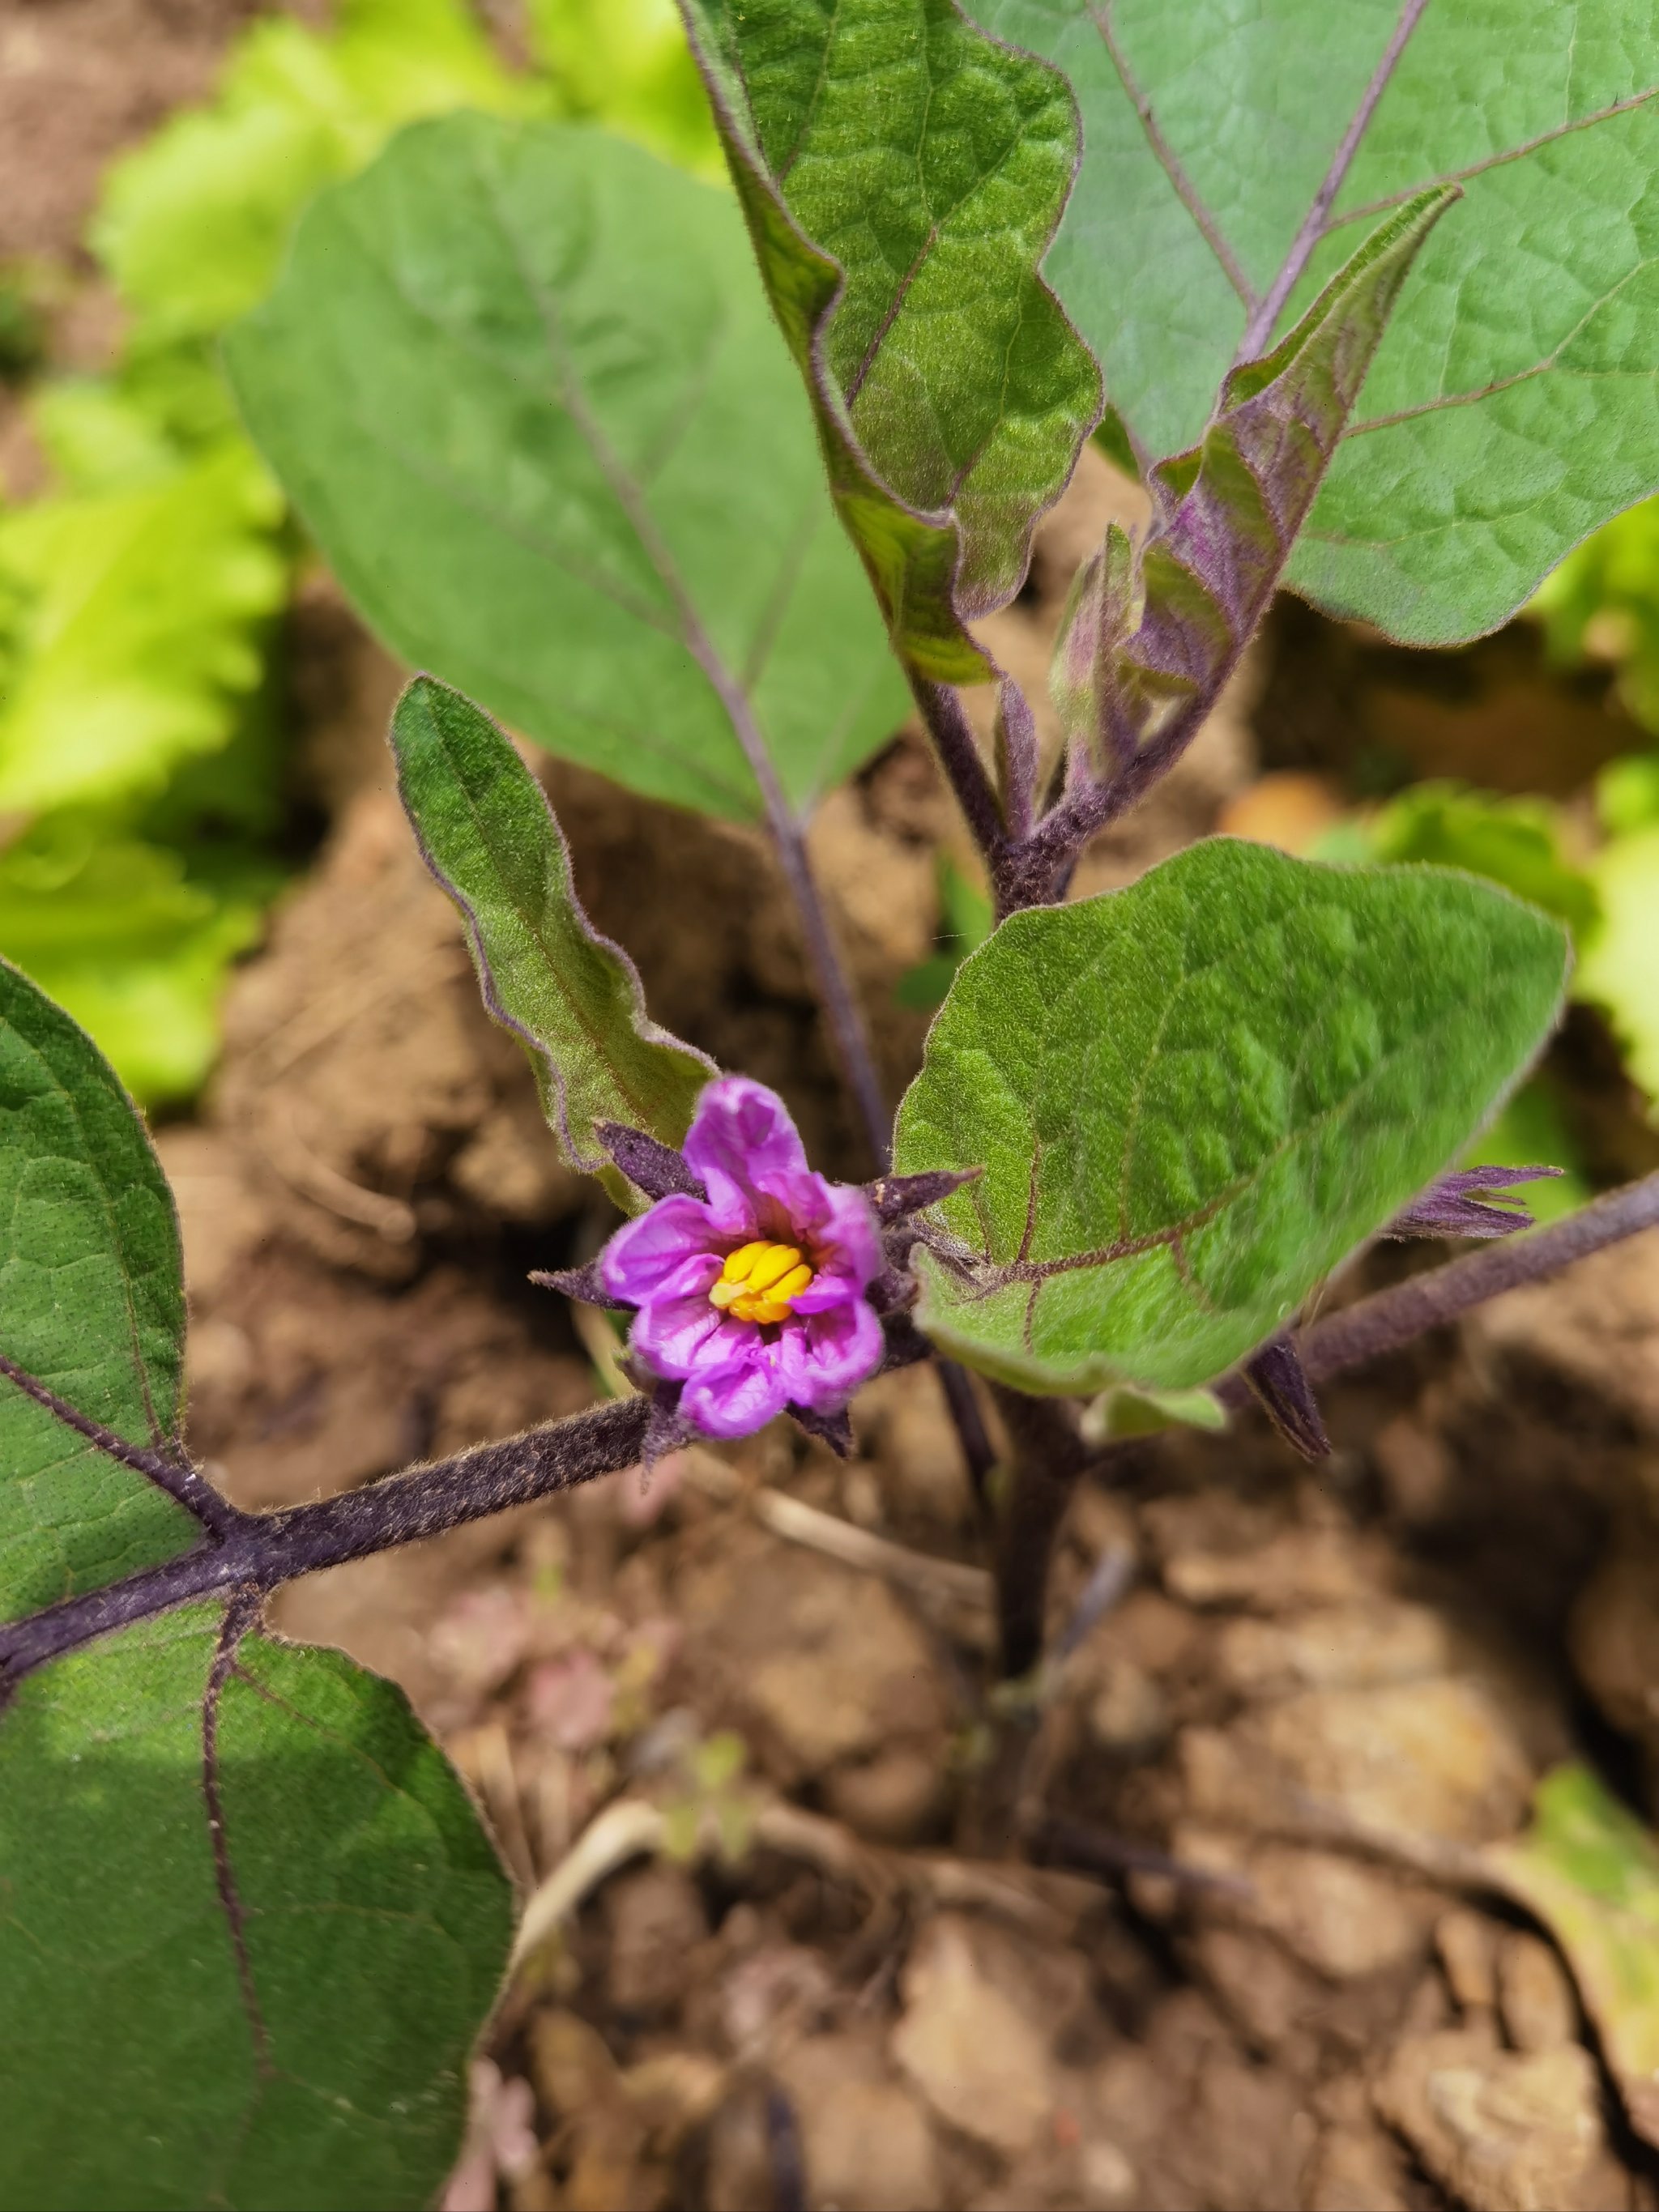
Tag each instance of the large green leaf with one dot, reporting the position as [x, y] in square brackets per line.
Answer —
[902, 175]
[1192, 1098]
[571, 996]
[1512, 407]
[92, 1302]
[523, 386]
[275, 2011]
[250, 1926]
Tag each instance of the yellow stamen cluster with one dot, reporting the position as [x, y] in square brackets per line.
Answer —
[760, 1282]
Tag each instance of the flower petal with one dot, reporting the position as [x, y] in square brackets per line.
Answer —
[673, 1335]
[837, 1221]
[643, 1254]
[738, 1398]
[741, 1130]
[825, 1356]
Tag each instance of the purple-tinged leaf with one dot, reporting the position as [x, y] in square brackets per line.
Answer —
[657, 1169]
[571, 997]
[1280, 1383]
[1150, 637]
[1469, 1202]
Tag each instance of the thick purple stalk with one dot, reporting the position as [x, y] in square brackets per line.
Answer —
[258, 1551]
[1393, 1317]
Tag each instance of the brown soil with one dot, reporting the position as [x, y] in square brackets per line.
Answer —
[787, 1982]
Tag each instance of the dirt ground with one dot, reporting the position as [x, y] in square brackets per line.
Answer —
[729, 1731]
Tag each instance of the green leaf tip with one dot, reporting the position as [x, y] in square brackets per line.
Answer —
[902, 175]
[572, 998]
[1198, 1095]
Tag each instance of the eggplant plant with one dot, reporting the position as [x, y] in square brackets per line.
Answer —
[705, 489]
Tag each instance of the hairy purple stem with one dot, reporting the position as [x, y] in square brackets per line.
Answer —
[1390, 1318]
[1049, 1456]
[841, 1008]
[959, 756]
[261, 1551]
[1259, 330]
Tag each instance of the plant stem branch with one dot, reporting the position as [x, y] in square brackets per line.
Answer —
[1260, 329]
[959, 756]
[261, 1551]
[1049, 1456]
[1390, 1318]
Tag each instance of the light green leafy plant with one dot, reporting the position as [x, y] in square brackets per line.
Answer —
[139, 601]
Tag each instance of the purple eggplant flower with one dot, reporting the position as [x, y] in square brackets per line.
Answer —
[753, 1298]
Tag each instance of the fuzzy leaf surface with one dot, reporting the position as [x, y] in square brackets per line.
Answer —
[571, 996]
[902, 175]
[1512, 407]
[92, 1303]
[1195, 1096]
[145, 2064]
[521, 384]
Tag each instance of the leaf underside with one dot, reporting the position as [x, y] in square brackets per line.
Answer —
[1194, 1097]
[374, 1916]
[1514, 405]
[902, 175]
[571, 996]
[520, 382]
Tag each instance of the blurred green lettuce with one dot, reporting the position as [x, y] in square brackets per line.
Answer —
[141, 599]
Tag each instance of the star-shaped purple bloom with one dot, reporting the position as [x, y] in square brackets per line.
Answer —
[755, 1297]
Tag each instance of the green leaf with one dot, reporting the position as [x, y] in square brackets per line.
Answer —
[1517, 843]
[1590, 1870]
[1194, 1097]
[523, 387]
[571, 996]
[193, 225]
[625, 63]
[1152, 629]
[1510, 408]
[901, 176]
[1618, 971]
[275, 2011]
[128, 942]
[250, 1926]
[137, 629]
[92, 1303]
